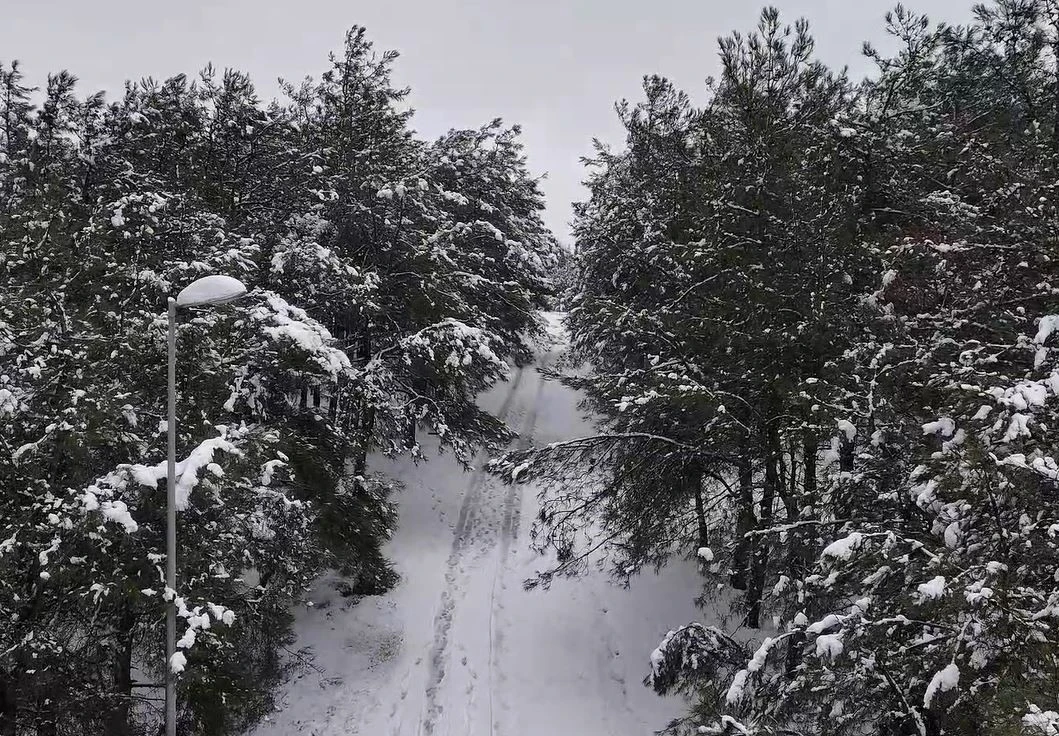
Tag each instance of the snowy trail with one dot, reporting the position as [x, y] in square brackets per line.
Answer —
[458, 648]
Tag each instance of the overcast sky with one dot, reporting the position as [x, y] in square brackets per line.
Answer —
[554, 66]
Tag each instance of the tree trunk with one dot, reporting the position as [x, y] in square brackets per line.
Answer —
[762, 543]
[694, 479]
[45, 722]
[787, 485]
[745, 522]
[809, 446]
[8, 707]
[800, 550]
[845, 504]
[1055, 93]
[366, 420]
[332, 400]
[410, 429]
[118, 717]
[845, 455]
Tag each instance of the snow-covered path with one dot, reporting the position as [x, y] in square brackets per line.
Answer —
[458, 647]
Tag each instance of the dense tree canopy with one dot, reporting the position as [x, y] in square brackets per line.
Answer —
[390, 280]
[820, 320]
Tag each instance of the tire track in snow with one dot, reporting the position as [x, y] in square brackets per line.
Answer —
[465, 523]
[509, 528]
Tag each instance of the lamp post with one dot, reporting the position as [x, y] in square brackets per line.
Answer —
[207, 291]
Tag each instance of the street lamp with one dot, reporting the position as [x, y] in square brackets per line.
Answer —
[207, 291]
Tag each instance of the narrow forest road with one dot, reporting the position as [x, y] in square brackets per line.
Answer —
[459, 647]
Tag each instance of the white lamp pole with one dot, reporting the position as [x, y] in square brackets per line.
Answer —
[207, 291]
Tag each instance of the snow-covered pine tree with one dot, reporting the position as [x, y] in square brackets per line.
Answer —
[350, 334]
[927, 608]
[90, 258]
[424, 355]
[491, 238]
[718, 278]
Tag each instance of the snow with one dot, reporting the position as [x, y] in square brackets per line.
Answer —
[659, 654]
[118, 512]
[214, 289]
[843, 548]
[8, 402]
[982, 413]
[178, 662]
[459, 646]
[1037, 721]
[705, 553]
[932, 590]
[945, 680]
[187, 640]
[269, 469]
[283, 322]
[220, 613]
[737, 688]
[945, 426]
[518, 470]
[1039, 357]
[952, 535]
[757, 662]
[846, 427]
[829, 621]
[187, 470]
[829, 645]
[1019, 427]
[1048, 324]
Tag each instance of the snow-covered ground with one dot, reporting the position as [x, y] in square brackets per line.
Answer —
[459, 647]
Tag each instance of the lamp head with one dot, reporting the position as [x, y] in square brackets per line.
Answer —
[210, 290]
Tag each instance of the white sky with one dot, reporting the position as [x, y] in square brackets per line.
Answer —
[554, 66]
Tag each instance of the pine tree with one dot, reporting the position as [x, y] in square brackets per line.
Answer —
[355, 329]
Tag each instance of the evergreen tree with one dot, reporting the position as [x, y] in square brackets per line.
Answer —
[820, 322]
[363, 319]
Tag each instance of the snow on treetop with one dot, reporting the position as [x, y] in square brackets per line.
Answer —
[843, 548]
[932, 589]
[846, 427]
[829, 645]
[8, 402]
[296, 326]
[944, 425]
[1048, 324]
[1038, 721]
[737, 688]
[946, 679]
[178, 662]
[187, 471]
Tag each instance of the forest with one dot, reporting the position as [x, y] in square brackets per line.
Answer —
[819, 317]
[391, 279]
[813, 316]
